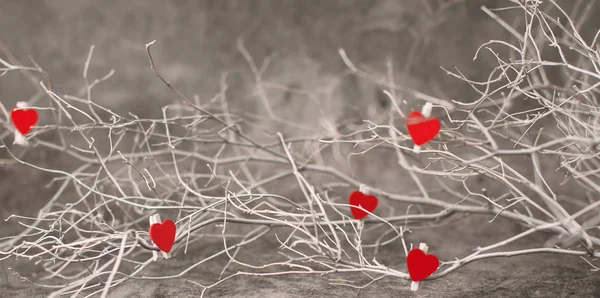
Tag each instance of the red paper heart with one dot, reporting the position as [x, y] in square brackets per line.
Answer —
[163, 235]
[368, 202]
[420, 265]
[23, 119]
[421, 128]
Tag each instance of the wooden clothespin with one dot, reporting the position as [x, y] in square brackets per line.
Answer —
[414, 286]
[19, 138]
[167, 255]
[426, 111]
[364, 189]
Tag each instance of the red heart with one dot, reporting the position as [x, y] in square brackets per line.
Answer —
[420, 265]
[163, 235]
[368, 202]
[23, 119]
[420, 128]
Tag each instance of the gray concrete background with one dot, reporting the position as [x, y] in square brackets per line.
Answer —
[196, 43]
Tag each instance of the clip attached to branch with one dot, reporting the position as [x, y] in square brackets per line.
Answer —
[364, 189]
[414, 286]
[420, 265]
[361, 199]
[22, 119]
[155, 219]
[426, 111]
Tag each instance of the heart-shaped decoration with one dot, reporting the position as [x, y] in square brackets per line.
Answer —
[359, 199]
[420, 265]
[163, 234]
[23, 119]
[422, 129]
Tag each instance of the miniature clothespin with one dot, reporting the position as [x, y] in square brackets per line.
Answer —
[426, 111]
[361, 199]
[364, 189]
[19, 138]
[154, 219]
[414, 286]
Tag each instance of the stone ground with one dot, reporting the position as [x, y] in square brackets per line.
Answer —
[196, 43]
